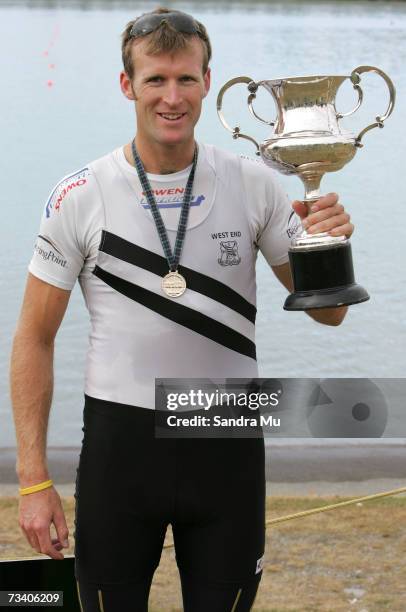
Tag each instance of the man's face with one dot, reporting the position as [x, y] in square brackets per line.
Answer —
[168, 89]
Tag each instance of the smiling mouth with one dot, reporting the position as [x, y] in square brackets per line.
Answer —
[172, 116]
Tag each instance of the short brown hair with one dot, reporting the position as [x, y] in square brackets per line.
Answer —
[164, 39]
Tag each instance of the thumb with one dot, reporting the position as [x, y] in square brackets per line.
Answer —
[61, 527]
[300, 208]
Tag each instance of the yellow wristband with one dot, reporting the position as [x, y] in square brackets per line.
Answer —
[38, 487]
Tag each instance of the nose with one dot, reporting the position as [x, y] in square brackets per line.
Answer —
[172, 94]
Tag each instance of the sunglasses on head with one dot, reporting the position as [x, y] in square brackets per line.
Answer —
[182, 22]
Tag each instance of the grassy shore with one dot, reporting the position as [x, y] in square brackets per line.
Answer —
[349, 559]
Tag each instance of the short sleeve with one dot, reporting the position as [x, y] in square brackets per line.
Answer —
[281, 224]
[60, 251]
[275, 222]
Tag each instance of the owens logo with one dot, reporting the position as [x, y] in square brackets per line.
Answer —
[64, 187]
[163, 191]
[169, 200]
[66, 190]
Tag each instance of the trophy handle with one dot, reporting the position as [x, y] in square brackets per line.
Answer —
[253, 86]
[236, 131]
[355, 78]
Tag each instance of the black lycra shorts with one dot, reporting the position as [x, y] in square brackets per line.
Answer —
[131, 485]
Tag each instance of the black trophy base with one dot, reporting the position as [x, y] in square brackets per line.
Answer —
[323, 278]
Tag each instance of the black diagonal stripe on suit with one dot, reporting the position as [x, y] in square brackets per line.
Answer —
[152, 262]
[183, 315]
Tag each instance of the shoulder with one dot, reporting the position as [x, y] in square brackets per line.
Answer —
[66, 188]
[221, 160]
[105, 165]
[79, 187]
[251, 169]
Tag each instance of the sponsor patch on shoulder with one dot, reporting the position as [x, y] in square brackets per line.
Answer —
[48, 250]
[66, 185]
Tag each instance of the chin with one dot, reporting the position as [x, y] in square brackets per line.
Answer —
[175, 139]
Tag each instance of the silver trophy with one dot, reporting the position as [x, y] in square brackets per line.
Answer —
[308, 141]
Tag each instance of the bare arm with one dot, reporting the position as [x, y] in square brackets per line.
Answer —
[31, 380]
[327, 316]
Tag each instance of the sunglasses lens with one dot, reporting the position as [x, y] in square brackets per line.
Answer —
[183, 23]
[148, 23]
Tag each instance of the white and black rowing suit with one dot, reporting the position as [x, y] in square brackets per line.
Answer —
[97, 227]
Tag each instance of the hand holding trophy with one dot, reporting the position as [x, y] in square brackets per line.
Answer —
[308, 141]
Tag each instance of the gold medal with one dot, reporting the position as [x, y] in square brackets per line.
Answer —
[173, 284]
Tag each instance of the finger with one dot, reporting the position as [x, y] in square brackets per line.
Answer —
[343, 230]
[323, 214]
[300, 209]
[56, 544]
[329, 224]
[44, 539]
[324, 202]
[32, 539]
[61, 527]
[29, 534]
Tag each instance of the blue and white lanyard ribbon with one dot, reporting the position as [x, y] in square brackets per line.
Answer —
[172, 258]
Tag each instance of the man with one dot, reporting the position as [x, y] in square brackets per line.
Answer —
[100, 225]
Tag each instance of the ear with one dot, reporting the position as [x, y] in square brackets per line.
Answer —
[126, 86]
[207, 81]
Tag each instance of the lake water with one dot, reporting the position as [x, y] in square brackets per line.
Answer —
[50, 130]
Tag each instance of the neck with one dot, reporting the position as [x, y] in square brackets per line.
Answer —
[160, 159]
